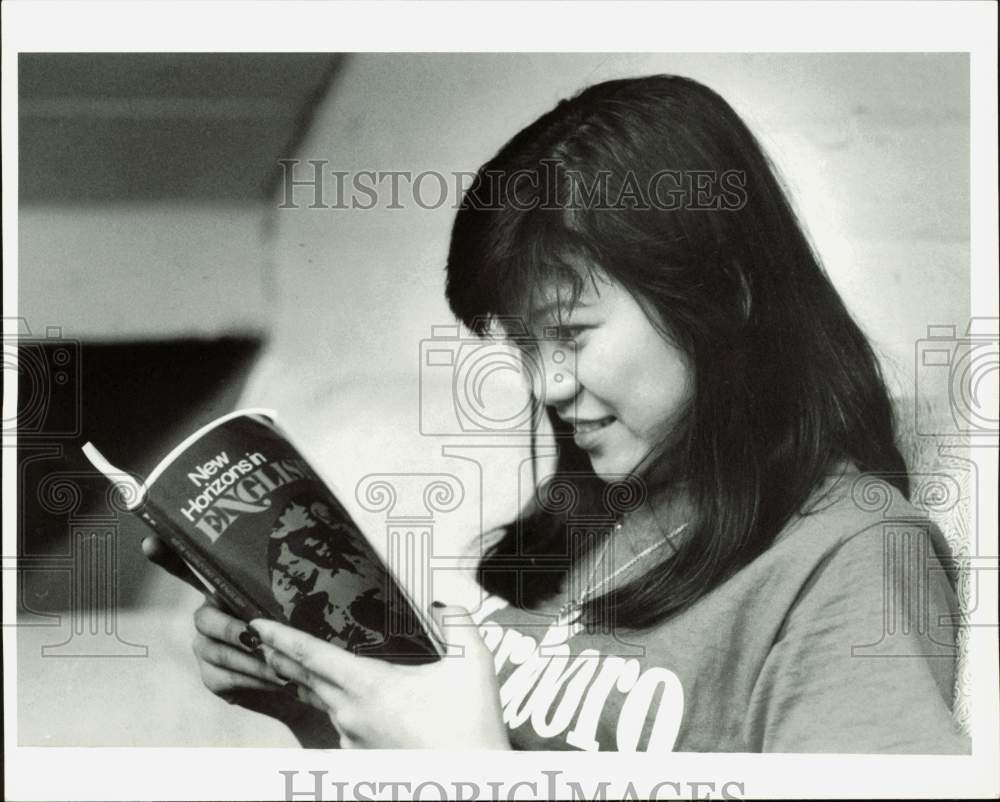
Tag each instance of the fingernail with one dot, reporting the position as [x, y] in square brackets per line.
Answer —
[438, 604]
[267, 653]
[250, 639]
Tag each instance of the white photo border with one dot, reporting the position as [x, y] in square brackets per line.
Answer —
[121, 773]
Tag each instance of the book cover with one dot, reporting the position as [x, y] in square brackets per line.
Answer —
[238, 502]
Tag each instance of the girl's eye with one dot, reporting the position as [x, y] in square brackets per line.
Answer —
[570, 332]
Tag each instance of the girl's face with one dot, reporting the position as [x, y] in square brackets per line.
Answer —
[623, 385]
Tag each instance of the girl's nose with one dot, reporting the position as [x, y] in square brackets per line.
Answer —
[552, 370]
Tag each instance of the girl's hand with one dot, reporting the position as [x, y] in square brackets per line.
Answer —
[450, 704]
[232, 666]
[228, 666]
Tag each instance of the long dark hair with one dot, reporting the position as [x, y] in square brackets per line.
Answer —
[785, 384]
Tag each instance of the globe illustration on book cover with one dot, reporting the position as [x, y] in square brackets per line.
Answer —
[324, 577]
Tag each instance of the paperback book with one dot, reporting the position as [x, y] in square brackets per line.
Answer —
[241, 506]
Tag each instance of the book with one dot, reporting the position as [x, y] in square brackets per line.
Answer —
[238, 502]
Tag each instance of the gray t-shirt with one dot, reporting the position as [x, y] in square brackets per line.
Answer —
[839, 638]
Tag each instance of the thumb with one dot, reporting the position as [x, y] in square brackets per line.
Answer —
[459, 631]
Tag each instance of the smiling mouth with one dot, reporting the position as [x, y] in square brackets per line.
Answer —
[585, 427]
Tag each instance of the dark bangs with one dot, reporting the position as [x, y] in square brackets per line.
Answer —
[502, 261]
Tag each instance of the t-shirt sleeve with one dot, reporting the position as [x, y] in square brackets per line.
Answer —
[864, 660]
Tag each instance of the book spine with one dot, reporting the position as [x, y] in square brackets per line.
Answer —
[240, 603]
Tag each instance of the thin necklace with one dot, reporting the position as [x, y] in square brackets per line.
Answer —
[574, 606]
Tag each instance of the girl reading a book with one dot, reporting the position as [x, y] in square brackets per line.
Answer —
[703, 570]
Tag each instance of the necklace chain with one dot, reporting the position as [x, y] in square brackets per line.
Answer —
[591, 589]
